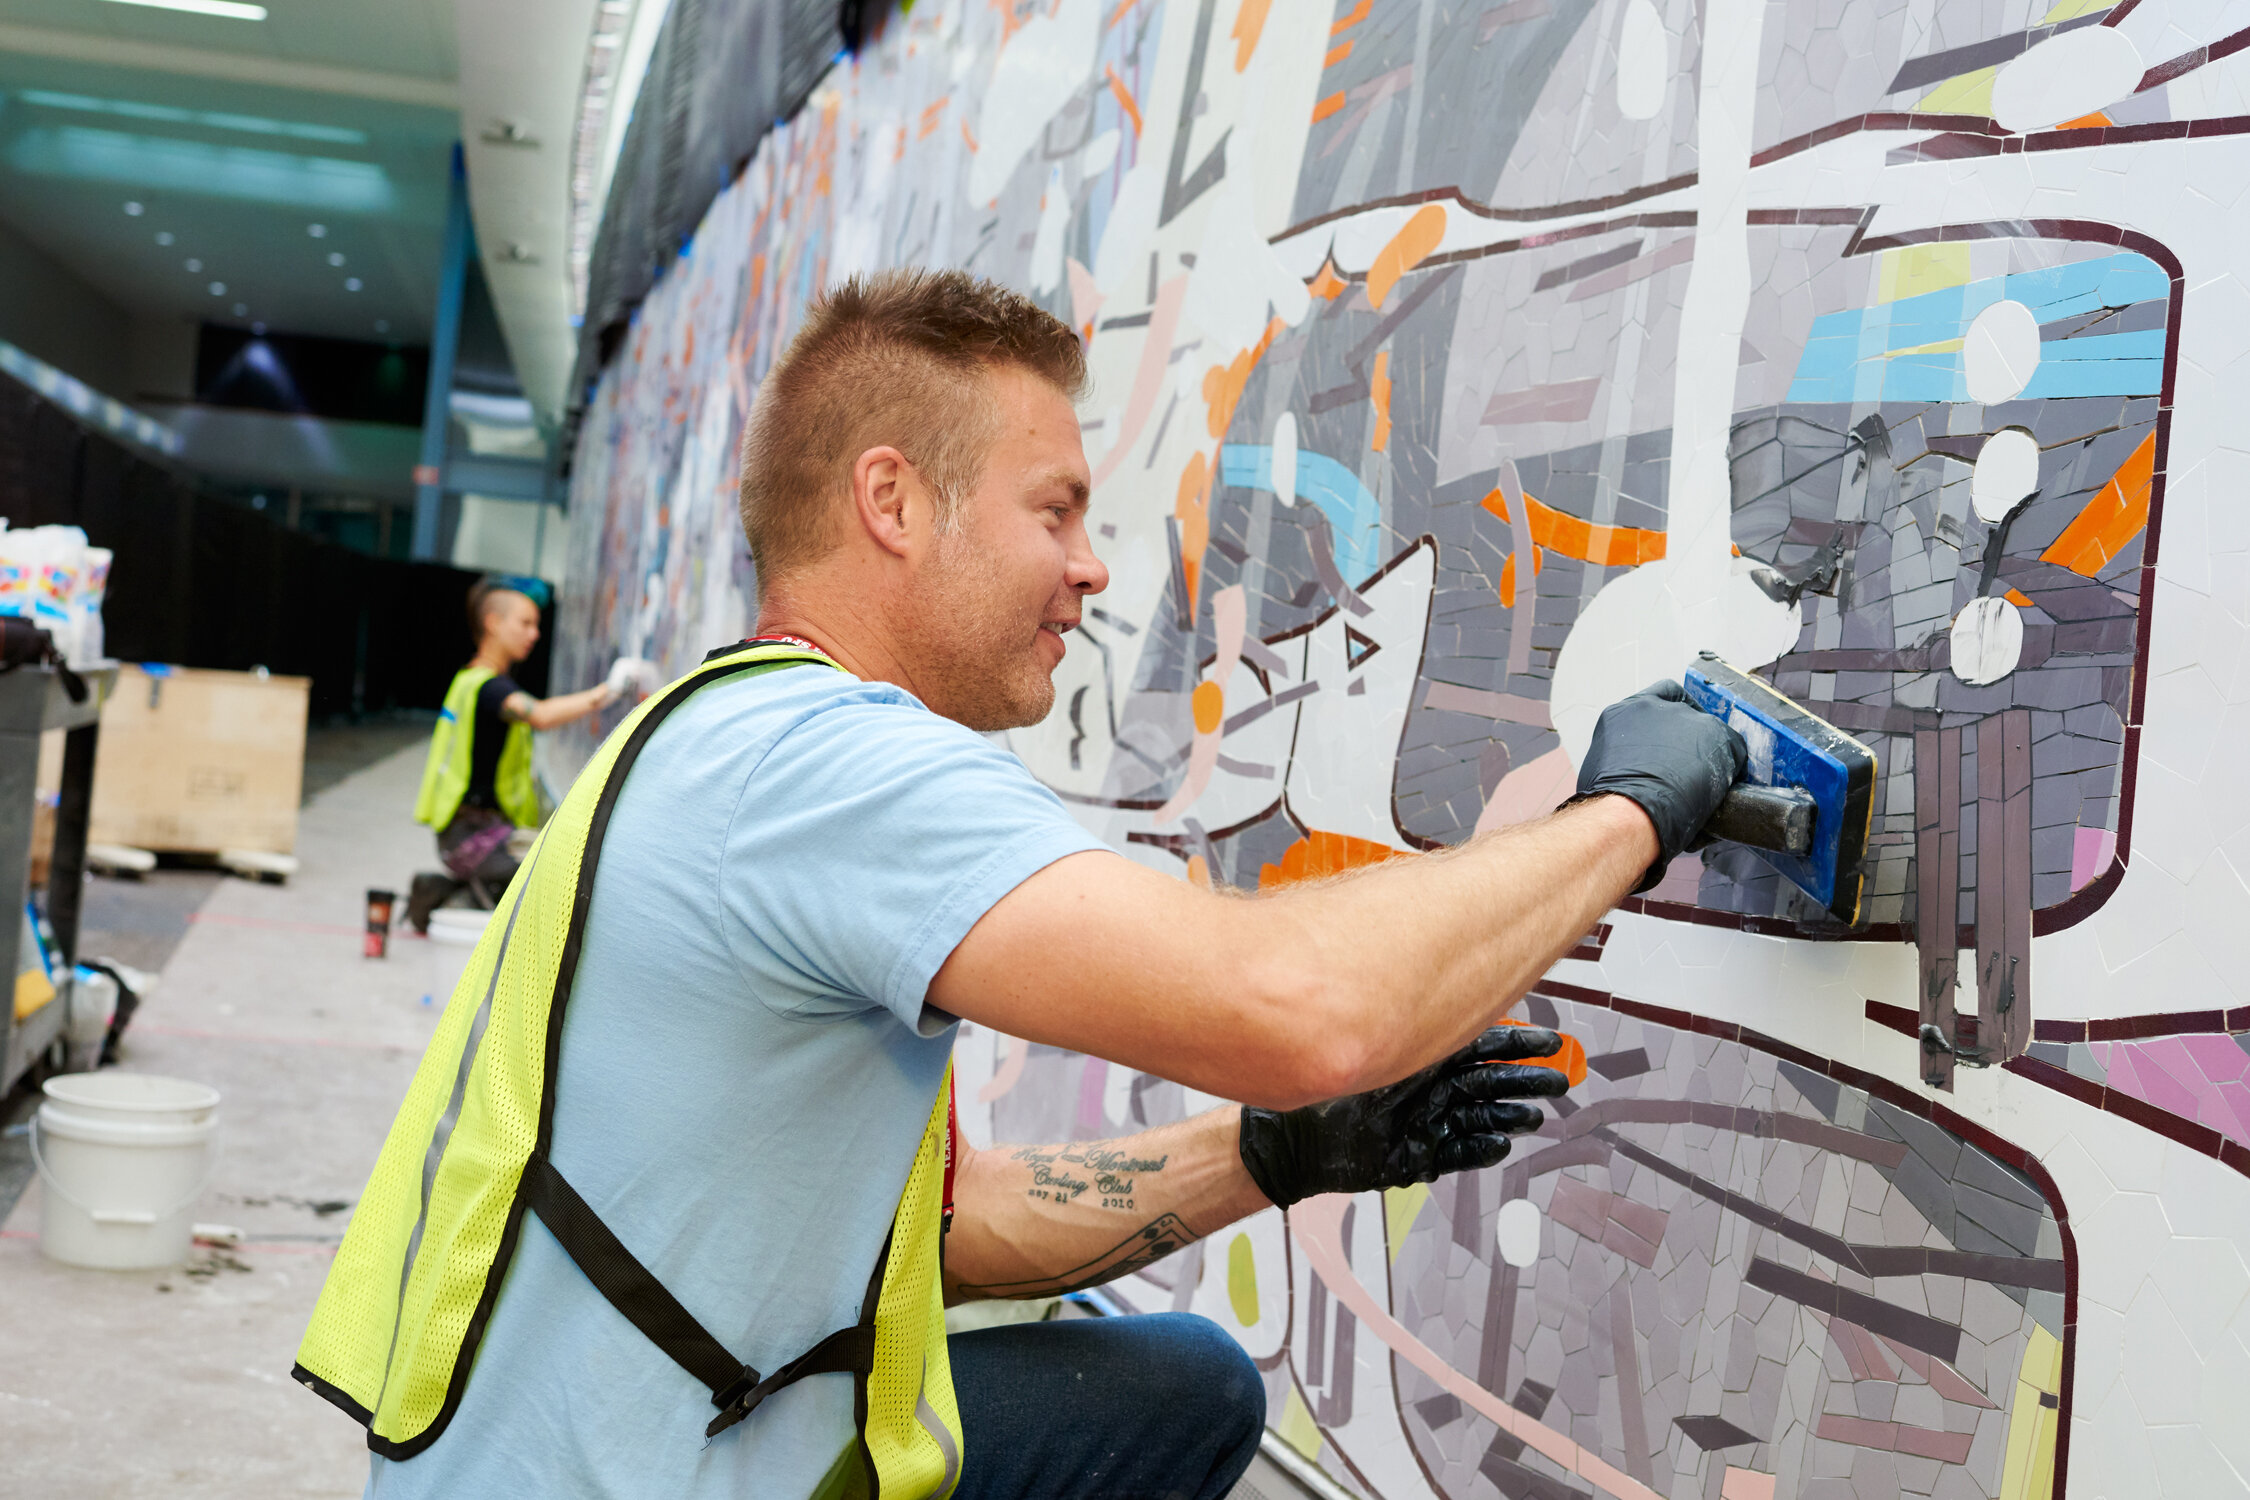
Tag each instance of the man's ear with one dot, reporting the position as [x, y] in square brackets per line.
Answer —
[889, 499]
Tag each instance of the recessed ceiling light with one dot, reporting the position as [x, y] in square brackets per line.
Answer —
[218, 289]
[242, 309]
[382, 325]
[138, 109]
[351, 283]
[299, 129]
[134, 210]
[87, 153]
[231, 10]
[258, 328]
[194, 265]
[164, 236]
[317, 231]
[335, 257]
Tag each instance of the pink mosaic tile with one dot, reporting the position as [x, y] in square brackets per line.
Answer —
[2203, 1077]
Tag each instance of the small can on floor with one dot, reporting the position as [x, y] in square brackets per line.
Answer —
[379, 905]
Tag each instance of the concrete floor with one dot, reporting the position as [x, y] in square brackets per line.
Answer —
[175, 1383]
[336, 750]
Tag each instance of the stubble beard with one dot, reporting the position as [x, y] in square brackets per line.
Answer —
[976, 666]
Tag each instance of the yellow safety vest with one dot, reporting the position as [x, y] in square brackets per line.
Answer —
[445, 775]
[396, 1329]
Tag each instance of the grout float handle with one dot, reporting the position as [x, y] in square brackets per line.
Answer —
[1779, 818]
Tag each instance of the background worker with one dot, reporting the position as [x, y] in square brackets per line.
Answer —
[810, 875]
[477, 787]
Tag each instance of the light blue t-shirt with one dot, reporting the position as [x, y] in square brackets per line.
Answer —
[747, 1068]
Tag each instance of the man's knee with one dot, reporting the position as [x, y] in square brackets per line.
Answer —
[1209, 1362]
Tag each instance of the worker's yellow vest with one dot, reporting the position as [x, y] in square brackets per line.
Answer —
[445, 775]
[398, 1322]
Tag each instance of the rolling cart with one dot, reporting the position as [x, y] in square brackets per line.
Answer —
[32, 701]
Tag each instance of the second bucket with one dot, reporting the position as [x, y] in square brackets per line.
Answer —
[123, 1157]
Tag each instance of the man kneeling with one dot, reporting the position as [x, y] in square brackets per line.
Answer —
[673, 1205]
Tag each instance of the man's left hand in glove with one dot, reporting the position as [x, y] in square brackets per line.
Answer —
[1105, 1209]
[1453, 1116]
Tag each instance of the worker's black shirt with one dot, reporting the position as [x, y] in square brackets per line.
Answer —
[484, 743]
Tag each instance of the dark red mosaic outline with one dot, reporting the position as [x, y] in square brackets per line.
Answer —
[1951, 135]
[2133, 1028]
[1683, 218]
[2195, 57]
[1899, 1098]
[2088, 898]
[1466, 204]
[2199, 1138]
[1958, 136]
[1958, 144]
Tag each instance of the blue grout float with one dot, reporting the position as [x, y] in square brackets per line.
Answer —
[1806, 799]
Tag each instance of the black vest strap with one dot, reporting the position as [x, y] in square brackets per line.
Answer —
[626, 1284]
[623, 1280]
[736, 1388]
[846, 1350]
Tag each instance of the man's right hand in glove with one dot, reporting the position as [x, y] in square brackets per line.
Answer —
[1671, 759]
[1454, 1116]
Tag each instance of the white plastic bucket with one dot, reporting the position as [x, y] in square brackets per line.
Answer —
[124, 1157]
[453, 925]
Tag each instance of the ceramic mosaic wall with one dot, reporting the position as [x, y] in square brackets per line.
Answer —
[1460, 368]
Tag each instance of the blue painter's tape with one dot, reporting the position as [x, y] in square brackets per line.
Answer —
[1352, 510]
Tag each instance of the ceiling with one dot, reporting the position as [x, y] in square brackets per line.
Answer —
[290, 171]
[523, 74]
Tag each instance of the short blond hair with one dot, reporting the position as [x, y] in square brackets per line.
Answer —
[894, 358]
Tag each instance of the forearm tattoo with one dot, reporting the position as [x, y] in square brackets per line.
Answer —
[1097, 1175]
[1065, 1174]
[1144, 1247]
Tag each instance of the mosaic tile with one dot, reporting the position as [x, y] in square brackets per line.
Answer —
[1735, 1266]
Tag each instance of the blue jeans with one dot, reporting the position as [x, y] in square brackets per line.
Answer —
[1163, 1406]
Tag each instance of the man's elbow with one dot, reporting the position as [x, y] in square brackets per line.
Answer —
[1315, 1042]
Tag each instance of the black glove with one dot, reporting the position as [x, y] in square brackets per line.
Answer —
[1451, 1116]
[1674, 760]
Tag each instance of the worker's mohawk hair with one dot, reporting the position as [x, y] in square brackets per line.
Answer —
[894, 358]
[481, 594]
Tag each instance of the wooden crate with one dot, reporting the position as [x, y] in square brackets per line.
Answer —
[198, 761]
